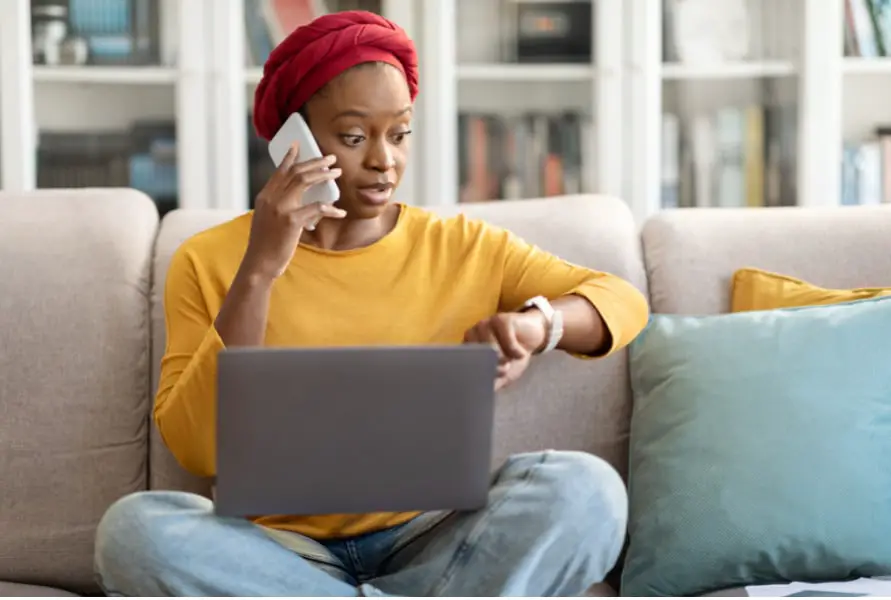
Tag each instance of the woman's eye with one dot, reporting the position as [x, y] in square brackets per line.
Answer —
[352, 140]
[398, 138]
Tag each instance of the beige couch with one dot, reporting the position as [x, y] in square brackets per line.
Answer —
[81, 334]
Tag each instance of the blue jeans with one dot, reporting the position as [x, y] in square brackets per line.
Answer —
[554, 525]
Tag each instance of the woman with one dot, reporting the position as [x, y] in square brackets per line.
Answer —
[555, 521]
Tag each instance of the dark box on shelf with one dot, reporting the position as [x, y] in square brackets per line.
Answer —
[553, 31]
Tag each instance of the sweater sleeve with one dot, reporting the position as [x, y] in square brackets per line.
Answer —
[185, 405]
[529, 271]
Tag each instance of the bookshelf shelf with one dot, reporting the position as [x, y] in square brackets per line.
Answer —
[106, 75]
[866, 66]
[530, 73]
[740, 70]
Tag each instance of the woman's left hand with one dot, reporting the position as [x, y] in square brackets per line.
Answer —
[515, 336]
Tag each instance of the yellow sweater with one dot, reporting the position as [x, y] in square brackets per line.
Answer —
[439, 276]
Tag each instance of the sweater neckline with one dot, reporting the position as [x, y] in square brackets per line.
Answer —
[389, 238]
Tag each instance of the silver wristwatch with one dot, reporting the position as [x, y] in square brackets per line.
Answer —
[553, 320]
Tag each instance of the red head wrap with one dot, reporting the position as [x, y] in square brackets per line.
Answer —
[316, 53]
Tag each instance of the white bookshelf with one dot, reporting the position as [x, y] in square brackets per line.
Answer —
[106, 75]
[730, 70]
[488, 84]
[837, 98]
[205, 85]
[18, 167]
[866, 66]
[92, 98]
[532, 74]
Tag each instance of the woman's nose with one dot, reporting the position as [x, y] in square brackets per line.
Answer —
[381, 158]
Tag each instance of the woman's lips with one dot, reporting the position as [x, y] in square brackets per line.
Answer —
[376, 194]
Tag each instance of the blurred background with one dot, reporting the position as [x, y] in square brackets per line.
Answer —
[665, 103]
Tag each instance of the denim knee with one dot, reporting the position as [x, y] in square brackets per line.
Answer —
[590, 497]
[130, 534]
[579, 488]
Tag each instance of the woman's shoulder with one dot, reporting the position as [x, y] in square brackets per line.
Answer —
[218, 244]
[449, 222]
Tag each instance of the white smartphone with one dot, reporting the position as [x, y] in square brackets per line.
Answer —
[295, 129]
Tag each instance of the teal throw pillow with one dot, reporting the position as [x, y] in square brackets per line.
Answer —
[760, 449]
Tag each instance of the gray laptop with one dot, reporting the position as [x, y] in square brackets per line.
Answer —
[354, 430]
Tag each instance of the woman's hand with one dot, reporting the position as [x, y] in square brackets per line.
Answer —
[279, 216]
[515, 336]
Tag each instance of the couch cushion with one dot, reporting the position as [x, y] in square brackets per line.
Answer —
[19, 590]
[562, 402]
[691, 254]
[758, 449]
[74, 360]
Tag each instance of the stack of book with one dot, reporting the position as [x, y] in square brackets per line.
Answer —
[866, 170]
[868, 28]
[524, 156]
[734, 157]
[143, 158]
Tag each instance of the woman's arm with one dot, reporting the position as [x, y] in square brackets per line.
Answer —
[185, 404]
[601, 312]
[185, 407]
[244, 312]
[584, 330]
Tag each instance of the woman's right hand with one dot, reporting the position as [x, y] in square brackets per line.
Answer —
[279, 216]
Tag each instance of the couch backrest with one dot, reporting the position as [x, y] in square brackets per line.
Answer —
[691, 255]
[81, 304]
[75, 268]
[563, 403]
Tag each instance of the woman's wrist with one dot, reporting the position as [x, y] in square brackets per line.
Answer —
[251, 275]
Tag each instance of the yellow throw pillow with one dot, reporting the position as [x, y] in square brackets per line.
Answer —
[754, 289]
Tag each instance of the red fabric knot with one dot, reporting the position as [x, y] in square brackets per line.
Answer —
[316, 53]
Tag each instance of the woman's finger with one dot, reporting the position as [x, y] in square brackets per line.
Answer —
[290, 157]
[316, 164]
[292, 195]
[324, 210]
[331, 211]
[310, 178]
[504, 332]
[316, 211]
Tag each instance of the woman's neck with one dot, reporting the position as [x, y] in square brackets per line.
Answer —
[349, 234]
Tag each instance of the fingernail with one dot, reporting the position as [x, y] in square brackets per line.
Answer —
[331, 159]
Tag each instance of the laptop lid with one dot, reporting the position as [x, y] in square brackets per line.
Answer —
[352, 430]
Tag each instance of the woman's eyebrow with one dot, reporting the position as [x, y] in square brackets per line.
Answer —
[365, 115]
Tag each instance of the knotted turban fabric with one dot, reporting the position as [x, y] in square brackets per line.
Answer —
[315, 53]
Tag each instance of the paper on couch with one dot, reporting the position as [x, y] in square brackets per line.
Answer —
[878, 586]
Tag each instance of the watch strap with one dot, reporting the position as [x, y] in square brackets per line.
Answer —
[553, 319]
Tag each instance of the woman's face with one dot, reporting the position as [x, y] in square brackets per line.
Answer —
[363, 117]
